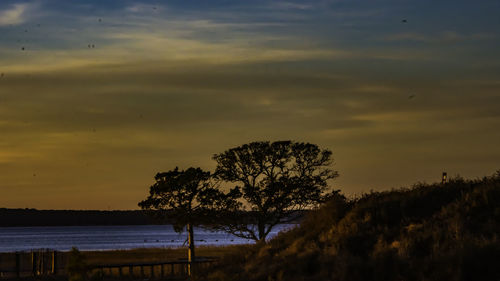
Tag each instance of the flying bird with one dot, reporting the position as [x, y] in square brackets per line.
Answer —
[404, 21]
[411, 97]
[22, 48]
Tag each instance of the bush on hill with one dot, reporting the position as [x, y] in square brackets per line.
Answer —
[428, 232]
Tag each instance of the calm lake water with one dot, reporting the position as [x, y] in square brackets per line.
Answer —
[86, 238]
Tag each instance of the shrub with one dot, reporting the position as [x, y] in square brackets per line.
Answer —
[77, 267]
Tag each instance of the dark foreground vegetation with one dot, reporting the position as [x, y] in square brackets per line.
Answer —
[429, 232]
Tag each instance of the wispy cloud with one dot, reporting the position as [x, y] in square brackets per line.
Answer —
[143, 8]
[445, 36]
[292, 6]
[15, 14]
[407, 36]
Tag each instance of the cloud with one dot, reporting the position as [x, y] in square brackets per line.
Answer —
[291, 6]
[440, 37]
[144, 8]
[407, 36]
[15, 15]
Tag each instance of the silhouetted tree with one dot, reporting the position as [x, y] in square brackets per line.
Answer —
[275, 182]
[181, 197]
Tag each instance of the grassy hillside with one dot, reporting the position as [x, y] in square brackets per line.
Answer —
[427, 232]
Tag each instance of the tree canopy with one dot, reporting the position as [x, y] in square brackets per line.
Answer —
[182, 197]
[274, 182]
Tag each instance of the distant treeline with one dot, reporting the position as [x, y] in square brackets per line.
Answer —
[34, 217]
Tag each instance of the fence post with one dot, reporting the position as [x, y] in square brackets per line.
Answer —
[42, 262]
[18, 265]
[131, 271]
[54, 262]
[33, 262]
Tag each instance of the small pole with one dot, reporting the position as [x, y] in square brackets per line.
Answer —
[54, 262]
[120, 272]
[42, 262]
[152, 271]
[33, 262]
[131, 271]
[162, 271]
[142, 272]
[443, 181]
[18, 265]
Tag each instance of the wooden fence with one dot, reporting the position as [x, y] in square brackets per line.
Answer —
[47, 262]
[155, 270]
[33, 263]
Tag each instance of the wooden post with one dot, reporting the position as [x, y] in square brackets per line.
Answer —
[162, 271]
[18, 265]
[152, 272]
[172, 272]
[33, 263]
[191, 254]
[120, 273]
[54, 262]
[42, 262]
[131, 271]
[142, 272]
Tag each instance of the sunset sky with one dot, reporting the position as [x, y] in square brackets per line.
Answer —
[399, 90]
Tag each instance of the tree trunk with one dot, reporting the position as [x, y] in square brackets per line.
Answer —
[191, 256]
[262, 231]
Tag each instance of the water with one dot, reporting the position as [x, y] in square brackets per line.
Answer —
[86, 238]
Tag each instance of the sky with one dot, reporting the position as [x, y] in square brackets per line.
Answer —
[96, 97]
